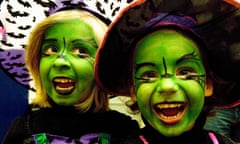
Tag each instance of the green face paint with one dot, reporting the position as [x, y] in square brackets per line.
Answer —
[66, 64]
[169, 80]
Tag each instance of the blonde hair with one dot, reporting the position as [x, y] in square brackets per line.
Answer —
[97, 100]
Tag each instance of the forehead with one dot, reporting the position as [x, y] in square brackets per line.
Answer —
[70, 27]
[167, 43]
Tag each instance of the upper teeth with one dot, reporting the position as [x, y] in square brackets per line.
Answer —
[161, 106]
[63, 80]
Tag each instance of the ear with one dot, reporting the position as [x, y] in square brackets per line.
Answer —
[132, 93]
[208, 88]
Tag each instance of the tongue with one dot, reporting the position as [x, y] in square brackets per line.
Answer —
[64, 85]
[170, 111]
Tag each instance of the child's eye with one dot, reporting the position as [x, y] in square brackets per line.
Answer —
[149, 76]
[81, 52]
[186, 73]
[50, 50]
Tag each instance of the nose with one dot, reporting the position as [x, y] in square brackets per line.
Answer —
[61, 62]
[167, 86]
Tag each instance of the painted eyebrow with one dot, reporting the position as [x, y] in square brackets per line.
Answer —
[143, 64]
[89, 41]
[191, 55]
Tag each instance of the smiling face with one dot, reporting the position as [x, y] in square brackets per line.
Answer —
[169, 81]
[66, 62]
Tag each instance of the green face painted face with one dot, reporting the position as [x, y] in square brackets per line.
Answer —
[169, 80]
[66, 63]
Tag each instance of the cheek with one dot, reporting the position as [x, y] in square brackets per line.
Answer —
[44, 70]
[83, 68]
[144, 92]
[194, 89]
[194, 92]
[44, 67]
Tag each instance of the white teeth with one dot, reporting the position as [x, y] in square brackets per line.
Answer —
[65, 88]
[162, 106]
[63, 80]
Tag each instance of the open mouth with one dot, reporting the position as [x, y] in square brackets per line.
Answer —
[64, 85]
[170, 113]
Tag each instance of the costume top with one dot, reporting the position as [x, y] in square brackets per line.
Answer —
[67, 125]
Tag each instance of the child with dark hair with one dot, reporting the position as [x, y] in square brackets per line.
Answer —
[160, 59]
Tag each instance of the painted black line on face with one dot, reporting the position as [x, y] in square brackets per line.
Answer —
[64, 47]
[165, 75]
